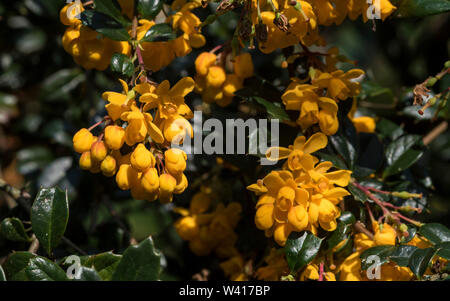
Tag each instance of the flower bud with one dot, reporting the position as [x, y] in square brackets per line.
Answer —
[142, 158]
[85, 160]
[386, 236]
[98, 151]
[175, 161]
[187, 228]
[123, 176]
[114, 137]
[82, 141]
[150, 180]
[200, 203]
[216, 76]
[167, 185]
[175, 130]
[182, 184]
[231, 85]
[243, 65]
[203, 62]
[108, 166]
[197, 40]
[68, 14]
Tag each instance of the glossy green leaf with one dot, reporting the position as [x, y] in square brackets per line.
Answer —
[436, 233]
[149, 9]
[357, 193]
[105, 25]
[336, 160]
[16, 264]
[42, 269]
[421, 8]
[87, 274]
[112, 9]
[399, 147]
[383, 253]
[405, 161]
[2, 274]
[443, 249]
[338, 235]
[411, 233]
[159, 33]
[377, 96]
[419, 260]
[389, 129]
[347, 217]
[402, 254]
[122, 64]
[273, 110]
[141, 262]
[49, 216]
[105, 264]
[301, 250]
[344, 147]
[12, 229]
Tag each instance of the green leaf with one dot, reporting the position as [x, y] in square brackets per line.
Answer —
[122, 64]
[33, 158]
[105, 264]
[357, 193]
[383, 253]
[112, 9]
[141, 262]
[443, 249]
[159, 33]
[419, 260]
[49, 217]
[338, 235]
[105, 25]
[389, 129]
[411, 233]
[422, 8]
[347, 217]
[87, 274]
[2, 274]
[42, 269]
[436, 233]
[399, 147]
[337, 162]
[301, 250]
[376, 95]
[402, 254]
[149, 9]
[12, 229]
[404, 162]
[16, 264]
[275, 111]
[344, 148]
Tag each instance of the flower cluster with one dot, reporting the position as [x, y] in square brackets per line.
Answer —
[89, 49]
[209, 231]
[212, 80]
[92, 50]
[121, 149]
[303, 195]
[318, 102]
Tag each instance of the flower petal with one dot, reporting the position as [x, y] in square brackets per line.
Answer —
[182, 87]
[315, 142]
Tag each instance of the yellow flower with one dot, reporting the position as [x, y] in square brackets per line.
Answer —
[385, 236]
[98, 151]
[338, 83]
[276, 267]
[203, 62]
[139, 126]
[187, 228]
[108, 166]
[216, 77]
[364, 124]
[175, 161]
[231, 85]
[85, 161]
[167, 185]
[68, 14]
[123, 176]
[114, 137]
[243, 65]
[141, 158]
[150, 180]
[82, 141]
[311, 272]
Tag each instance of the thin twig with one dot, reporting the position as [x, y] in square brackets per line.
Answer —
[442, 127]
[34, 244]
[362, 229]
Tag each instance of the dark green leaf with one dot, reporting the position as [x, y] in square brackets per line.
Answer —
[337, 162]
[383, 253]
[149, 8]
[105, 264]
[389, 129]
[344, 148]
[402, 254]
[419, 260]
[42, 269]
[411, 233]
[112, 9]
[105, 25]
[16, 264]
[376, 95]
[443, 249]
[405, 161]
[399, 147]
[141, 262]
[12, 229]
[159, 33]
[301, 250]
[357, 193]
[87, 274]
[2, 274]
[49, 216]
[122, 64]
[275, 111]
[347, 217]
[338, 235]
[436, 233]
[421, 8]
